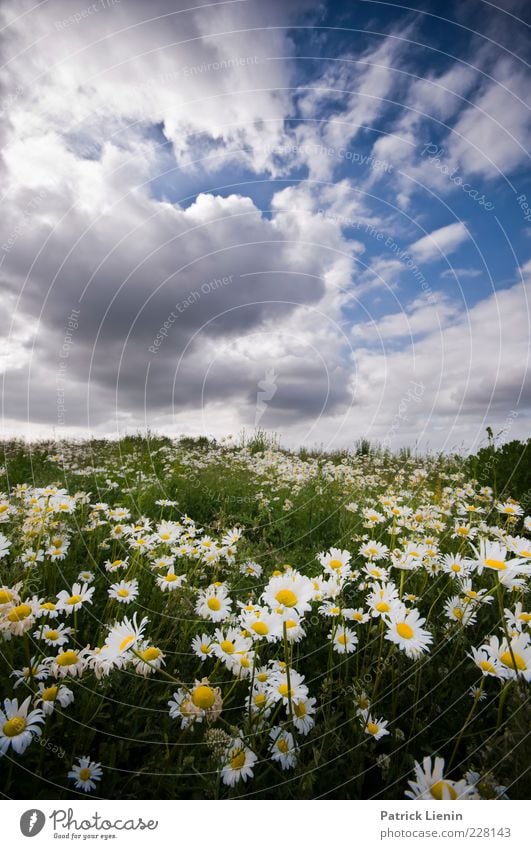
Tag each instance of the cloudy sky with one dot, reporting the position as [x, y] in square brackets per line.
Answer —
[314, 219]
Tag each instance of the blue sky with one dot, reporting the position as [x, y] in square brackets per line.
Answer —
[357, 171]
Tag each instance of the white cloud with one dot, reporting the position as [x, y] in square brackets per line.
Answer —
[440, 243]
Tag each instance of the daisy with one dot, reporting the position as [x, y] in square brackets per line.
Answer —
[404, 629]
[202, 646]
[34, 672]
[170, 581]
[514, 657]
[48, 697]
[376, 728]
[5, 545]
[239, 761]
[87, 577]
[122, 638]
[261, 624]
[430, 783]
[519, 618]
[17, 726]
[335, 562]
[115, 565]
[457, 611]
[71, 662]
[227, 644]
[374, 550]
[510, 508]
[250, 568]
[291, 590]
[520, 545]
[456, 564]
[293, 628]
[344, 640]
[19, 618]
[486, 661]
[382, 599]
[200, 702]
[147, 658]
[124, 592]
[278, 688]
[47, 609]
[303, 714]
[355, 614]
[85, 774]
[283, 748]
[74, 600]
[57, 636]
[492, 555]
[214, 603]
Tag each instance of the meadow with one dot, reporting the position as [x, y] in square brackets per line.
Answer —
[190, 619]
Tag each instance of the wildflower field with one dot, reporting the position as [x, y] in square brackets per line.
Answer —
[189, 619]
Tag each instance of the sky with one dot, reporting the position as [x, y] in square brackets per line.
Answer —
[313, 219]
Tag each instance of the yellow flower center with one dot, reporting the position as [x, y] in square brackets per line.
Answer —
[486, 666]
[404, 630]
[48, 605]
[17, 614]
[342, 639]
[455, 567]
[213, 603]
[74, 599]
[291, 623]
[495, 564]
[126, 642]
[262, 676]
[227, 646]
[283, 689]
[14, 727]
[123, 593]
[335, 564]
[382, 607]
[170, 577]
[67, 658]
[51, 635]
[85, 773]
[283, 746]
[151, 653]
[5, 596]
[300, 709]
[260, 628]
[286, 598]
[49, 694]
[237, 760]
[458, 613]
[203, 696]
[517, 663]
[525, 617]
[372, 728]
[438, 789]
[260, 699]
